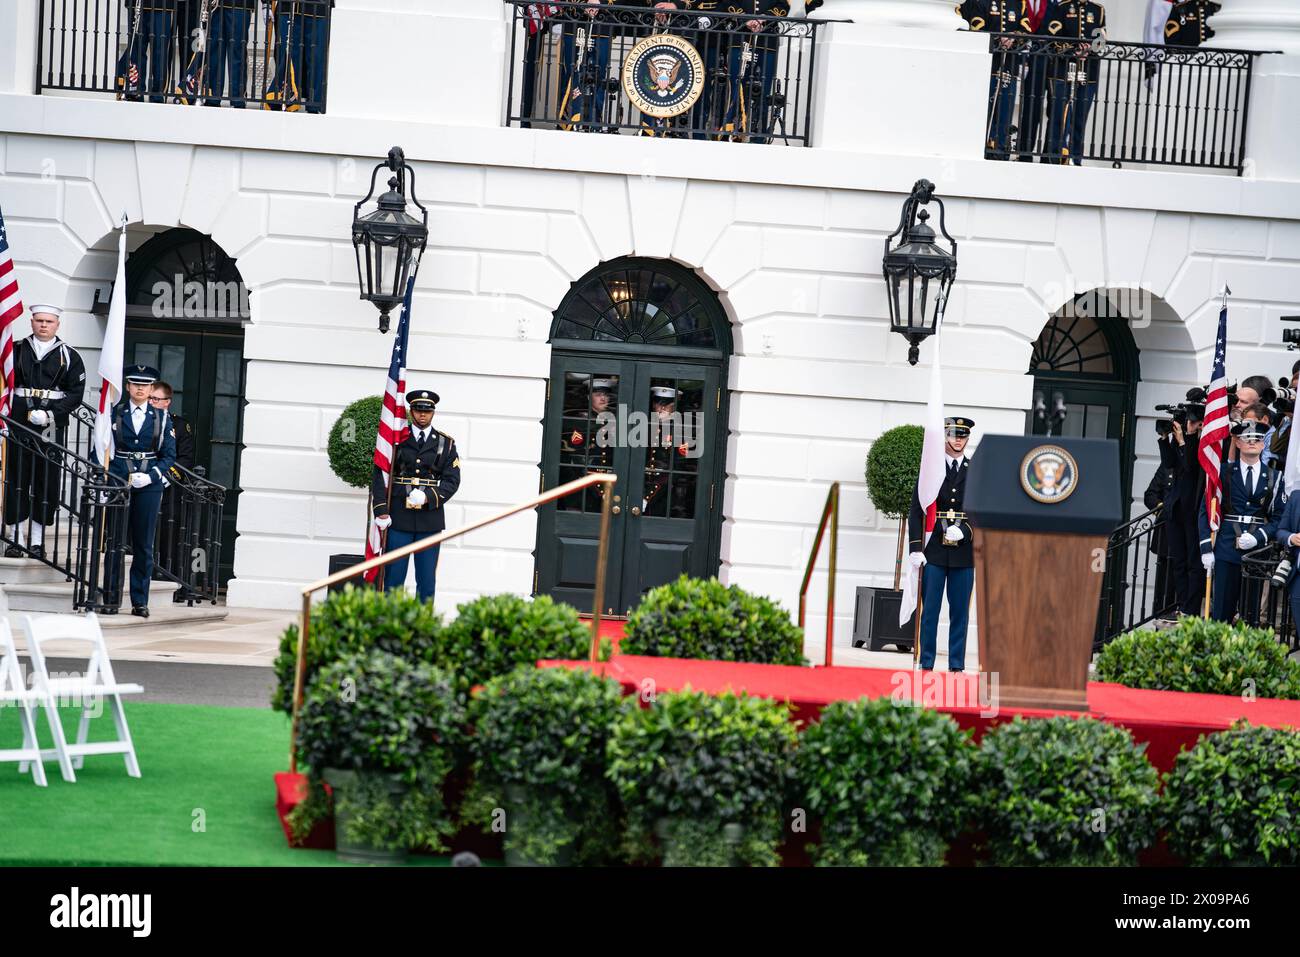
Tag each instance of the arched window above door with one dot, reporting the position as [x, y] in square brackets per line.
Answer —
[186, 253]
[642, 302]
[1073, 344]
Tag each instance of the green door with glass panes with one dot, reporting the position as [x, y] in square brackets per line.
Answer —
[204, 364]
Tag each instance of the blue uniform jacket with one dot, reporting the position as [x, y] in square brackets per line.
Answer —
[1287, 526]
[126, 439]
[1237, 500]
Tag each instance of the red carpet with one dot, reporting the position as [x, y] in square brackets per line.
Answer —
[1165, 720]
[611, 628]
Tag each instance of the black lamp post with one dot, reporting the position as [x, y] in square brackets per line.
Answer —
[389, 240]
[918, 273]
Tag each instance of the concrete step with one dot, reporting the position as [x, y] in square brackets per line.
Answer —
[56, 598]
[28, 571]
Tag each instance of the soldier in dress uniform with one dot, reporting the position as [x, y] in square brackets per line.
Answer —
[218, 51]
[146, 63]
[1000, 16]
[949, 558]
[426, 472]
[1033, 86]
[49, 381]
[1251, 510]
[173, 522]
[301, 47]
[584, 67]
[1074, 73]
[667, 455]
[583, 450]
[751, 68]
[144, 449]
[1188, 23]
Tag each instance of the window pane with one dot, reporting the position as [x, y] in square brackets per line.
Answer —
[223, 466]
[173, 366]
[146, 354]
[225, 418]
[228, 372]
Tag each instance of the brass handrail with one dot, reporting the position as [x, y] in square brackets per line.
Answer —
[560, 491]
[830, 512]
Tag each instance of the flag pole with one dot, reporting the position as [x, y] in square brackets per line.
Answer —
[916, 625]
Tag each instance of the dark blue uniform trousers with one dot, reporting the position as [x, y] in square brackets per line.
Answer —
[426, 564]
[1228, 594]
[959, 582]
[142, 521]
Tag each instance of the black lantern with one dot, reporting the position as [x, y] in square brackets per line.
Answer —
[918, 273]
[389, 240]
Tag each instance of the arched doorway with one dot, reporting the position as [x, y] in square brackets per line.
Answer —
[1087, 355]
[638, 388]
[186, 308]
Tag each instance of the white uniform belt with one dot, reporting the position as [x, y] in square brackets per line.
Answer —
[136, 456]
[41, 393]
[1244, 519]
[951, 515]
[417, 481]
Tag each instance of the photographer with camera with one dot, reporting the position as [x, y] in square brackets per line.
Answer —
[1182, 501]
[1159, 494]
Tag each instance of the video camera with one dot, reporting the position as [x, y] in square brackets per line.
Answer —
[1291, 336]
[1194, 402]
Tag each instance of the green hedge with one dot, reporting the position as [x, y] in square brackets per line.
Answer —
[702, 618]
[892, 467]
[1067, 791]
[887, 782]
[1211, 657]
[1235, 798]
[351, 446]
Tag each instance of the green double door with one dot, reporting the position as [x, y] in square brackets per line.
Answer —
[1093, 411]
[204, 364]
[656, 426]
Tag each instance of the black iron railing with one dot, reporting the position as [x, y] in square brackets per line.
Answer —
[707, 75]
[188, 549]
[1065, 101]
[1263, 603]
[241, 53]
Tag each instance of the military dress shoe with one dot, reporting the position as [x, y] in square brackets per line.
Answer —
[14, 551]
[140, 611]
[36, 551]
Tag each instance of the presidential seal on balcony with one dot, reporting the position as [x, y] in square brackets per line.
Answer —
[1049, 474]
[663, 75]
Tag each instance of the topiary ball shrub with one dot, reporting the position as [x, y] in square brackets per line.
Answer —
[1235, 798]
[709, 774]
[887, 781]
[492, 634]
[893, 465]
[357, 619]
[352, 441]
[1211, 657]
[539, 745]
[703, 618]
[1064, 791]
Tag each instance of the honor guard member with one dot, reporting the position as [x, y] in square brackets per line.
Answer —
[1000, 16]
[584, 67]
[667, 458]
[653, 125]
[426, 472]
[301, 46]
[1188, 24]
[583, 449]
[751, 68]
[1074, 72]
[218, 52]
[949, 558]
[144, 448]
[1033, 86]
[1251, 510]
[49, 381]
[172, 518]
[146, 62]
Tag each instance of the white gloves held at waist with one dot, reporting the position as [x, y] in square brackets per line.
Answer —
[917, 559]
[1247, 541]
[954, 534]
[38, 417]
[416, 497]
[383, 521]
[140, 479]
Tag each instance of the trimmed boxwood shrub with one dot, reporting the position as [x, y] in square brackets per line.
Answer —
[1069, 791]
[892, 467]
[539, 745]
[357, 619]
[492, 634]
[351, 445]
[1235, 798]
[887, 781]
[1211, 657]
[707, 766]
[703, 618]
[391, 719]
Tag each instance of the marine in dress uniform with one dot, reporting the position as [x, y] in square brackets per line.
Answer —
[669, 465]
[426, 473]
[751, 68]
[1188, 23]
[1033, 88]
[146, 63]
[1000, 16]
[144, 449]
[949, 558]
[584, 67]
[1251, 510]
[1073, 74]
[301, 48]
[219, 53]
[49, 381]
[582, 450]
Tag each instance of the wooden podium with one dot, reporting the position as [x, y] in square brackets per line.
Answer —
[1042, 511]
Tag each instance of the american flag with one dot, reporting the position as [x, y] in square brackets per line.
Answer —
[393, 427]
[1215, 428]
[536, 13]
[11, 307]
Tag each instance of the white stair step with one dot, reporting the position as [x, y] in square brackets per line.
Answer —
[57, 598]
[28, 571]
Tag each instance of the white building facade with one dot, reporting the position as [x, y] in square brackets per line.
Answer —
[787, 240]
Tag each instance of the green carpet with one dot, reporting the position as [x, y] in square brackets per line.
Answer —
[201, 765]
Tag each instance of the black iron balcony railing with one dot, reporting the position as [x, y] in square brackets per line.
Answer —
[1066, 101]
[188, 548]
[708, 75]
[257, 54]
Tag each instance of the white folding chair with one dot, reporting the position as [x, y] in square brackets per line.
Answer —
[95, 684]
[14, 691]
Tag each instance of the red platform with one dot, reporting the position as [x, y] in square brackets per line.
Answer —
[1166, 721]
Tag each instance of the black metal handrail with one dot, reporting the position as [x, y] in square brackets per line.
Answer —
[247, 53]
[568, 62]
[1133, 592]
[1067, 100]
[1262, 603]
[188, 544]
[45, 479]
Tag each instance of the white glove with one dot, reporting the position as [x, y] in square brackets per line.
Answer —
[140, 479]
[416, 497]
[383, 521]
[38, 417]
[954, 534]
[1208, 561]
[1247, 541]
[917, 559]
